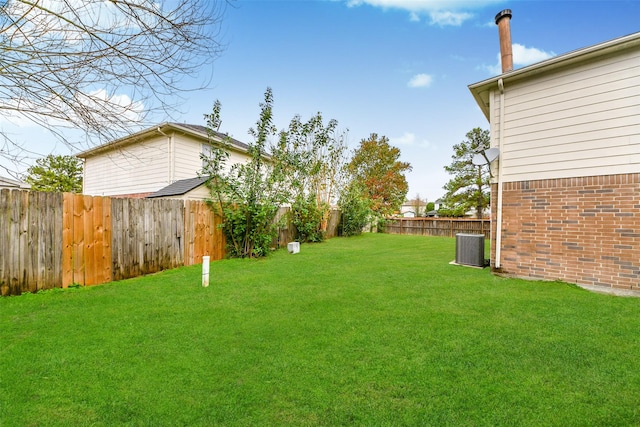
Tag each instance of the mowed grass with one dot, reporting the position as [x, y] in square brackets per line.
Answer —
[373, 330]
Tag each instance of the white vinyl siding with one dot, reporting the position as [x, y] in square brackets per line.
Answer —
[136, 168]
[187, 156]
[147, 165]
[579, 121]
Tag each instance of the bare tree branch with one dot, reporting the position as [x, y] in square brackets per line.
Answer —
[101, 66]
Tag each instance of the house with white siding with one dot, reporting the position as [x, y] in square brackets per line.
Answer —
[566, 185]
[148, 161]
[12, 184]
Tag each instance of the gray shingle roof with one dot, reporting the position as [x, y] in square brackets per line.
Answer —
[196, 130]
[179, 188]
[203, 130]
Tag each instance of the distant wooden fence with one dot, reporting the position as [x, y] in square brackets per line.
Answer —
[446, 227]
[53, 240]
[287, 231]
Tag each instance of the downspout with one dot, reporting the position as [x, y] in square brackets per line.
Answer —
[503, 21]
[169, 156]
[499, 208]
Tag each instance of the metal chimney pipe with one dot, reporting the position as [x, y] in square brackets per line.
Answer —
[503, 21]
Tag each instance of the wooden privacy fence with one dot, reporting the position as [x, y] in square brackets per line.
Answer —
[53, 240]
[287, 231]
[446, 227]
[50, 240]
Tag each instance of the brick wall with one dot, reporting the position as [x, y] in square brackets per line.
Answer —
[132, 196]
[578, 230]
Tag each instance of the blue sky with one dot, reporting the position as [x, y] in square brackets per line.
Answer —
[395, 68]
[398, 68]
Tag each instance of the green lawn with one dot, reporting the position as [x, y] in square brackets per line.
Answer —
[373, 330]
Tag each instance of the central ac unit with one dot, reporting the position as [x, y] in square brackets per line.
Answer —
[470, 249]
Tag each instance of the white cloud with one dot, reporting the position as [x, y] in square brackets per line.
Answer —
[420, 80]
[522, 56]
[409, 139]
[440, 12]
[454, 19]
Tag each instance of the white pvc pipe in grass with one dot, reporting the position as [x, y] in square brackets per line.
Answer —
[205, 271]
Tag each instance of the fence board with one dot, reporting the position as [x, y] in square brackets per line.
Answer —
[13, 249]
[5, 247]
[31, 251]
[54, 256]
[143, 236]
[77, 247]
[67, 239]
[23, 228]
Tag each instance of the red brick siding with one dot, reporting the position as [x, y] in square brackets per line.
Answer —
[132, 196]
[578, 230]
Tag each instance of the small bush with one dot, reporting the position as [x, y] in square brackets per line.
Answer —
[307, 217]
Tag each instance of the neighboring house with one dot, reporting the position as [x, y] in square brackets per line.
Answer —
[566, 186]
[141, 164]
[408, 208]
[13, 184]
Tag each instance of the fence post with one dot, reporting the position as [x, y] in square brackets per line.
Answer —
[205, 271]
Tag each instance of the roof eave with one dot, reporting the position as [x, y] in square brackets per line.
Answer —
[483, 87]
[146, 133]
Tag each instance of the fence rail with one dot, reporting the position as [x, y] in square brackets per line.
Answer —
[445, 227]
[53, 240]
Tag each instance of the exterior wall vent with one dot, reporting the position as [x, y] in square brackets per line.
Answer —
[470, 249]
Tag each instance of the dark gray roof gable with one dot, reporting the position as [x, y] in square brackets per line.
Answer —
[203, 130]
[179, 188]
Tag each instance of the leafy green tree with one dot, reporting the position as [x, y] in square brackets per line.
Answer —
[430, 206]
[247, 196]
[311, 154]
[418, 206]
[469, 187]
[307, 217]
[355, 209]
[56, 173]
[376, 167]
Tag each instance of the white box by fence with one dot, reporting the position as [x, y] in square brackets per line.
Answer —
[293, 247]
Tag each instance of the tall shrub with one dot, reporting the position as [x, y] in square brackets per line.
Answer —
[355, 207]
[247, 196]
[312, 155]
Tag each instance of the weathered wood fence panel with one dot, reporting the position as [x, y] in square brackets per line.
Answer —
[333, 223]
[445, 227]
[287, 231]
[30, 241]
[147, 236]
